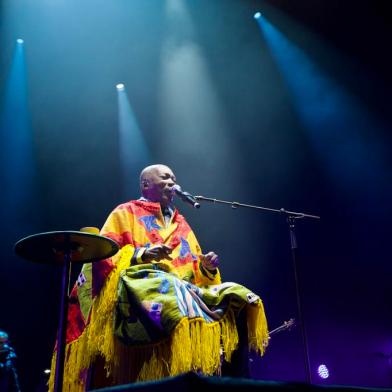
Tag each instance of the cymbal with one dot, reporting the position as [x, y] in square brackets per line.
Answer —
[51, 247]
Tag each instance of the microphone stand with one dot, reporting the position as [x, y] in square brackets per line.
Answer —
[291, 217]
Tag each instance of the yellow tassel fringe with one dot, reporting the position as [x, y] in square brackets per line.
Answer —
[193, 346]
[257, 327]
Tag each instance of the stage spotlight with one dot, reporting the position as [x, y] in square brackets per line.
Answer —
[323, 371]
[257, 15]
[19, 41]
[134, 153]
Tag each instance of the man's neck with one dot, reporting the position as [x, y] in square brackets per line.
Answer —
[163, 205]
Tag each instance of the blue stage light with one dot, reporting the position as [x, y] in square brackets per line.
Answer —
[16, 147]
[257, 15]
[323, 371]
[134, 153]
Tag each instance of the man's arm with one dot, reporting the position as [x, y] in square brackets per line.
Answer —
[207, 271]
[209, 264]
[156, 253]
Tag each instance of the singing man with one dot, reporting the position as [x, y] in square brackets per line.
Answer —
[157, 308]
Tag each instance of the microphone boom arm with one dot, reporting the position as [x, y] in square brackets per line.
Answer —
[235, 204]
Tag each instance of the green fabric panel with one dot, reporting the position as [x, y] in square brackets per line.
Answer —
[152, 302]
[85, 290]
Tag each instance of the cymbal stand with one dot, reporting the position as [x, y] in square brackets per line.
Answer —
[61, 335]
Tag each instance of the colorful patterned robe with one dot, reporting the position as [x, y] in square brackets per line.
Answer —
[145, 321]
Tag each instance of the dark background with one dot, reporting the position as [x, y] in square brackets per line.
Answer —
[212, 104]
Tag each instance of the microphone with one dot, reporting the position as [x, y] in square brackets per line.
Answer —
[185, 196]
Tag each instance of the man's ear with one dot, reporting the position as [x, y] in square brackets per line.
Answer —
[145, 183]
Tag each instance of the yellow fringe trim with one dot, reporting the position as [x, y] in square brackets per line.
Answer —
[194, 344]
[98, 336]
[257, 327]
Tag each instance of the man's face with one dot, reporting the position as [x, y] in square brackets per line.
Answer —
[158, 185]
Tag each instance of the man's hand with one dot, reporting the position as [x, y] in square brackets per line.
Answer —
[157, 253]
[210, 261]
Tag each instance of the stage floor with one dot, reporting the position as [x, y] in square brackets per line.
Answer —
[194, 383]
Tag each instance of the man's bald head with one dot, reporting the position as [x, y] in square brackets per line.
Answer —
[156, 182]
[146, 173]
